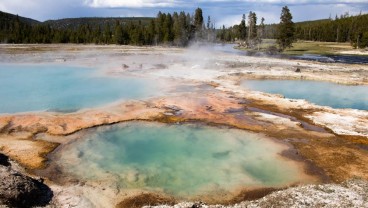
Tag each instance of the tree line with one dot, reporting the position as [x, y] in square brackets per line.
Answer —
[353, 29]
[171, 29]
[250, 35]
[180, 28]
[343, 28]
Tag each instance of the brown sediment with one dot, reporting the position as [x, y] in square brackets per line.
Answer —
[141, 200]
[29, 153]
[252, 194]
[309, 167]
[359, 140]
[151, 199]
[337, 155]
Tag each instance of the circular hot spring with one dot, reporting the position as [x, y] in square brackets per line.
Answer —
[183, 161]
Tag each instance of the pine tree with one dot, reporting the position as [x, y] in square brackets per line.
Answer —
[221, 34]
[286, 29]
[118, 35]
[177, 29]
[198, 23]
[168, 29]
[184, 25]
[364, 40]
[198, 19]
[151, 33]
[210, 33]
[242, 29]
[160, 26]
[261, 32]
[97, 35]
[107, 34]
[252, 29]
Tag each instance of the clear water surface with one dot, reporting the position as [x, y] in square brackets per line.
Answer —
[320, 93]
[38, 87]
[182, 160]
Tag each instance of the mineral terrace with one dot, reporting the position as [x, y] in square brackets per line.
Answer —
[330, 144]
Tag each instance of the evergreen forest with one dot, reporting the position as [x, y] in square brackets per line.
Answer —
[172, 29]
[178, 29]
[344, 28]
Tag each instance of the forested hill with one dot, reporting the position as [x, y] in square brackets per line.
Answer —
[178, 28]
[75, 23]
[344, 29]
[6, 18]
[17, 29]
[353, 29]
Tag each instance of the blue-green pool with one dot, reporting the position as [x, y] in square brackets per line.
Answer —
[182, 160]
[39, 87]
[320, 93]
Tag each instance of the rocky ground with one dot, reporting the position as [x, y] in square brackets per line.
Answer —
[19, 190]
[331, 144]
[352, 193]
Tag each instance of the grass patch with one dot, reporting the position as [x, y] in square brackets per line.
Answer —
[266, 43]
[322, 48]
[304, 47]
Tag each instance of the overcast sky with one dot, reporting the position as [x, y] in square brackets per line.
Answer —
[221, 11]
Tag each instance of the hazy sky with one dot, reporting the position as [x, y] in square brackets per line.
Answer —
[221, 11]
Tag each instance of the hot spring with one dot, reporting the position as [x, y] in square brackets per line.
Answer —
[320, 93]
[180, 160]
[38, 87]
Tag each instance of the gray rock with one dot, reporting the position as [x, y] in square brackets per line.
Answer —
[18, 190]
[172, 107]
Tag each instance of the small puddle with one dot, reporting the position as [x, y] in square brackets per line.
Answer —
[320, 93]
[180, 160]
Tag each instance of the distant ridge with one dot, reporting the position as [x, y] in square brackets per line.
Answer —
[74, 23]
[7, 17]
[313, 21]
